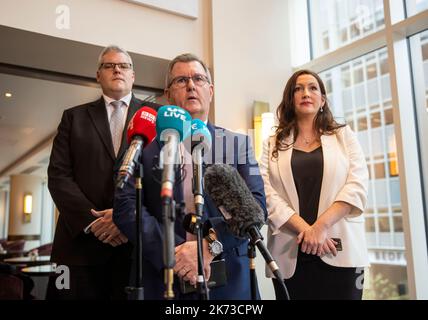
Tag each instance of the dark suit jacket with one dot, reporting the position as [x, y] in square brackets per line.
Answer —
[80, 177]
[235, 250]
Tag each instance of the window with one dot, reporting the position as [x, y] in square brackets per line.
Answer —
[373, 90]
[370, 102]
[415, 6]
[335, 23]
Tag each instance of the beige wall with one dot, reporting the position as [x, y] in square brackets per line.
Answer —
[101, 22]
[19, 186]
[251, 57]
[251, 61]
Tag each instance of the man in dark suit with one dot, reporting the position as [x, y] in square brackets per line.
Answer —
[90, 139]
[189, 85]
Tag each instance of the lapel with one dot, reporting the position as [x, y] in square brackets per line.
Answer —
[134, 105]
[329, 147]
[329, 151]
[218, 142]
[286, 173]
[98, 113]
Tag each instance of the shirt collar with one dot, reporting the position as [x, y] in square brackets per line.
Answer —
[126, 99]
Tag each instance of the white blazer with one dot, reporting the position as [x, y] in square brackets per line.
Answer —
[345, 178]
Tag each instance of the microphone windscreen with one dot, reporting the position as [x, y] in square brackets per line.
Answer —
[175, 118]
[231, 195]
[143, 123]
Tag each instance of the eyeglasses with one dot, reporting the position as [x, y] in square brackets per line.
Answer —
[182, 81]
[111, 65]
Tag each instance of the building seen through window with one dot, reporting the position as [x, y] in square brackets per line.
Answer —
[360, 95]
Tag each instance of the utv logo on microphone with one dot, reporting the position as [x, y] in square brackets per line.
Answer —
[175, 113]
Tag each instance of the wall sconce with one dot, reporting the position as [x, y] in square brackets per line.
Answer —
[259, 107]
[268, 125]
[28, 207]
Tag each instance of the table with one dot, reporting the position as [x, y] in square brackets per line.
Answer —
[40, 271]
[11, 254]
[40, 276]
[28, 261]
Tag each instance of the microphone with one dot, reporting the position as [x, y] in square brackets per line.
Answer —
[232, 197]
[172, 126]
[241, 211]
[141, 131]
[201, 143]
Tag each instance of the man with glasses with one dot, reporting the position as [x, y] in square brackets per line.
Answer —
[89, 141]
[189, 85]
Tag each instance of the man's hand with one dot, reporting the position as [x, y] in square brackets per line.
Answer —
[186, 265]
[105, 230]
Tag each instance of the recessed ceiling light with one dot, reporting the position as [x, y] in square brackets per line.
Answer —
[8, 95]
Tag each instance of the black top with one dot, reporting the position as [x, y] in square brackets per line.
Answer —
[307, 170]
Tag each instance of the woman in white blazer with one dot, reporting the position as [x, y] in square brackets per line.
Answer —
[316, 179]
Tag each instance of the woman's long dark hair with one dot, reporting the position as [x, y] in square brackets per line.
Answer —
[324, 122]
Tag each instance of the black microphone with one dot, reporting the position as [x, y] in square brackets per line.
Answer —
[233, 198]
[241, 211]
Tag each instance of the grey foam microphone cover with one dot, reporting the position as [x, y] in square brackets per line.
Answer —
[233, 198]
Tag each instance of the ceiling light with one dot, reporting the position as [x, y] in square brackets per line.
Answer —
[8, 95]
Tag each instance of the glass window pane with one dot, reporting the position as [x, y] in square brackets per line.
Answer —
[379, 170]
[398, 224]
[375, 120]
[388, 116]
[415, 6]
[384, 224]
[335, 23]
[370, 225]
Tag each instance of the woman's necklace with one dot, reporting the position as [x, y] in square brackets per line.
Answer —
[308, 141]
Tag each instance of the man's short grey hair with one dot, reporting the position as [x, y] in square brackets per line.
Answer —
[113, 48]
[185, 57]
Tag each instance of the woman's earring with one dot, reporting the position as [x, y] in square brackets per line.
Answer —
[321, 109]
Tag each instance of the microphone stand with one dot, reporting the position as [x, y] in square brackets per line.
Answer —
[137, 292]
[202, 287]
[256, 239]
[253, 276]
[168, 215]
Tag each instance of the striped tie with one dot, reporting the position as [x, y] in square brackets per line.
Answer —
[116, 125]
